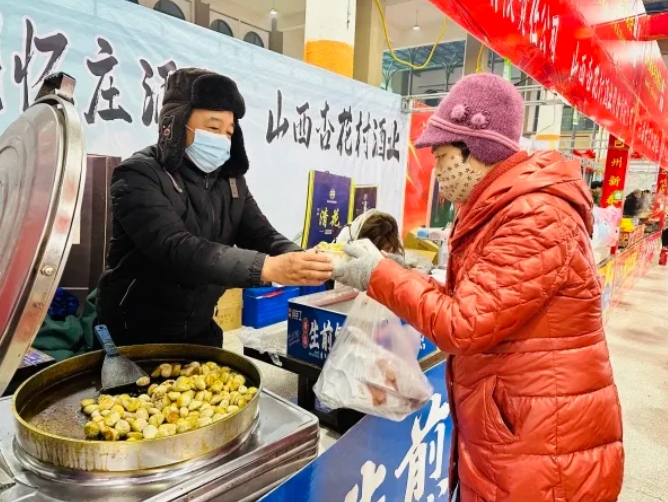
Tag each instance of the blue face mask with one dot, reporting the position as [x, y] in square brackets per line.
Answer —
[209, 151]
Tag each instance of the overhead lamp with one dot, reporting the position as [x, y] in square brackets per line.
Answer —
[273, 11]
[416, 26]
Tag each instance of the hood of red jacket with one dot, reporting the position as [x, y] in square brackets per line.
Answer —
[544, 172]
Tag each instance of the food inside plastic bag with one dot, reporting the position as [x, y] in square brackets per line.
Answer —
[373, 365]
[606, 226]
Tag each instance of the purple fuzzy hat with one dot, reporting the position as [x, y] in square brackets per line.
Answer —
[485, 112]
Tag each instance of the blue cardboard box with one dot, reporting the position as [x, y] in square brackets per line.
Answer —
[314, 322]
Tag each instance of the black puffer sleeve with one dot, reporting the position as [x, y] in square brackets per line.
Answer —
[255, 232]
[151, 221]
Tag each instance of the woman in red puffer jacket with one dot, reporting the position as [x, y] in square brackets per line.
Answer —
[535, 407]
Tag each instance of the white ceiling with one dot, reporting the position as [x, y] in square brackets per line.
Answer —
[400, 14]
[260, 7]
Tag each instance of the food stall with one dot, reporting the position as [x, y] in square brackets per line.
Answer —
[49, 448]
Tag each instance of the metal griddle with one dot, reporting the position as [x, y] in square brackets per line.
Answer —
[42, 158]
[48, 418]
[285, 439]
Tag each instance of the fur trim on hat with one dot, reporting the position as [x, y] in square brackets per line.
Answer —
[216, 92]
[191, 88]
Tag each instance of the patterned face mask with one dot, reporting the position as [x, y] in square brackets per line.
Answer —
[457, 177]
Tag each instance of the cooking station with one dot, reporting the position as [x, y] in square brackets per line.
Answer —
[44, 455]
[284, 439]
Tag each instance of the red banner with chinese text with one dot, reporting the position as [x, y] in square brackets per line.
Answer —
[661, 198]
[614, 177]
[418, 189]
[592, 53]
[662, 183]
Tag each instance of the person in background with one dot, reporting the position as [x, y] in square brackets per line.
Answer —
[534, 404]
[596, 192]
[632, 204]
[185, 226]
[646, 201]
[379, 227]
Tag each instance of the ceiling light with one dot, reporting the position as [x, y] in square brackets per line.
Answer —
[273, 12]
[416, 26]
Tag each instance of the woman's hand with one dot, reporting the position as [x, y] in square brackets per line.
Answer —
[410, 264]
[357, 272]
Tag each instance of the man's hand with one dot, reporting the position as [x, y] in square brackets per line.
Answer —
[309, 268]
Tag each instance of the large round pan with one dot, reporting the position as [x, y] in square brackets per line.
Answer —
[49, 422]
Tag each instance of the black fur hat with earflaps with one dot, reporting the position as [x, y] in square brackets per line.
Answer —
[191, 88]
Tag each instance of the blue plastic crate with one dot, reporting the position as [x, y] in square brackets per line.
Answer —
[311, 290]
[266, 306]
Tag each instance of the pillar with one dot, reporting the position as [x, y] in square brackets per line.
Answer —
[369, 43]
[275, 37]
[548, 129]
[202, 14]
[471, 54]
[329, 35]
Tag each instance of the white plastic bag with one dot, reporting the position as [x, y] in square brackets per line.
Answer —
[606, 226]
[269, 340]
[373, 365]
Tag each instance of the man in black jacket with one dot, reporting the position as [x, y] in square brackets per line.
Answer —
[185, 226]
[632, 204]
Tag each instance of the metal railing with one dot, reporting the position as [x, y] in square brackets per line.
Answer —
[429, 101]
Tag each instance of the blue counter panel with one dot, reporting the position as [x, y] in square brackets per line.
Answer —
[382, 461]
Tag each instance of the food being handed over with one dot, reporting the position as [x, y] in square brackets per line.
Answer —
[337, 254]
[189, 397]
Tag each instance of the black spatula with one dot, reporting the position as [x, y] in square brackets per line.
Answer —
[118, 372]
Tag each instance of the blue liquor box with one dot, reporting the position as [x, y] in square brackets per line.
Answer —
[314, 322]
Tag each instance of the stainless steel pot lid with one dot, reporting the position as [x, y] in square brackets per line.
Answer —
[41, 183]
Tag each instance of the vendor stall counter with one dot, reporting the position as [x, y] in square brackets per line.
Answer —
[382, 460]
[620, 272]
[269, 346]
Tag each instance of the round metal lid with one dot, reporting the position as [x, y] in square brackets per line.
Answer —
[41, 184]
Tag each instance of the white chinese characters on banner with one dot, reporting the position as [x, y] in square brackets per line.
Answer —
[322, 338]
[372, 478]
[423, 454]
[326, 334]
[313, 336]
[424, 457]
